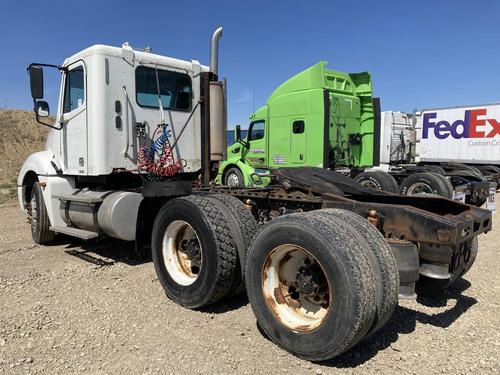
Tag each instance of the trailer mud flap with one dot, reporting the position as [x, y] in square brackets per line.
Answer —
[491, 200]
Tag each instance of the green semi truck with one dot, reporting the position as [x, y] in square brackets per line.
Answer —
[320, 118]
[329, 119]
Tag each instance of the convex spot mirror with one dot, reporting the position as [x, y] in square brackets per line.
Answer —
[42, 108]
[36, 81]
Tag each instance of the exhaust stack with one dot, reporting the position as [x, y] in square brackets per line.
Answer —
[214, 51]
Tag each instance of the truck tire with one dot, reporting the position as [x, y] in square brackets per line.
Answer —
[233, 177]
[427, 183]
[292, 265]
[193, 251]
[436, 169]
[472, 257]
[244, 227]
[378, 180]
[40, 223]
[387, 300]
[491, 170]
[427, 286]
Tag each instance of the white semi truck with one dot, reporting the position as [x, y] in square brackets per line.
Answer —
[132, 155]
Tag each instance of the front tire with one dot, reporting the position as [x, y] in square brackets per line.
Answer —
[40, 223]
[234, 178]
[194, 254]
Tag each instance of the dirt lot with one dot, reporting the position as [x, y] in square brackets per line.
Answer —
[76, 307]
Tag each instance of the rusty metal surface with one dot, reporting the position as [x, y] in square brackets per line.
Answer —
[433, 220]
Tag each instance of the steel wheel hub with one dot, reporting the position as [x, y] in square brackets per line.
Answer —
[420, 188]
[182, 253]
[295, 288]
[369, 185]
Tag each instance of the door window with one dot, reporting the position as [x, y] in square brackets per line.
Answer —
[74, 91]
[256, 131]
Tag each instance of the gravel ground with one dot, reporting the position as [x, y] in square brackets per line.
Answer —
[62, 313]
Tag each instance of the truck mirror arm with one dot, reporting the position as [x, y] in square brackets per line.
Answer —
[58, 67]
[243, 143]
[59, 127]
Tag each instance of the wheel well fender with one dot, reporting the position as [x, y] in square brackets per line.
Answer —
[146, 216]
[246, 171]
[30, 177]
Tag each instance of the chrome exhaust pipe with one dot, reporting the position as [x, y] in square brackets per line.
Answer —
[214, 51]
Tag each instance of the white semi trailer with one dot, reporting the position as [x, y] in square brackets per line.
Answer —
[436, 141]
[468, 134]
[403, 165]
[132, 155]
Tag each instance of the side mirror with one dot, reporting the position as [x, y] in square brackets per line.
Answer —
[42, 108]
[36, 81]
[237, 133]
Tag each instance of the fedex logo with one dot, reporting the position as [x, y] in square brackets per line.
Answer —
[474, 125]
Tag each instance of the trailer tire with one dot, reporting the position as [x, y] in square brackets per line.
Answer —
[234, 178]
[427, 286]
[193, 224]
[40, 222]
[335, 260]
[385, 262]
[491, 170]
[378, 180]
[436, 169]
[427, 183]
[244, 227]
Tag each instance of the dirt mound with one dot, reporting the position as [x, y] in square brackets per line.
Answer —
[21, 136]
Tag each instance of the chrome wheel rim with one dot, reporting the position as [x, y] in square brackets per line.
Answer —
[182, 253]
[295, 288]
[233, 180]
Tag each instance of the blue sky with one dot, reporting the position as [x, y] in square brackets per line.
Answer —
[420, 53]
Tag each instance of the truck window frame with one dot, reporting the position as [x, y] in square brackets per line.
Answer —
[156, 106]
[250, 129]
[298, 126]
[72, 67]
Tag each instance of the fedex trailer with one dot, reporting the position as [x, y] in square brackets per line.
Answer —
[468, 134]
[456, 142]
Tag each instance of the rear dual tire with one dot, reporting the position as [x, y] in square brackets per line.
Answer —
[427, 183]
[427, 286]
[378, 180]
[333, 259]
[196, 241]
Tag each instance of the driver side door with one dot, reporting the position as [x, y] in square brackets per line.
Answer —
[74, 120]
[256, 154]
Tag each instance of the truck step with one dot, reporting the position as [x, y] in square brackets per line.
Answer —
[75, 232]
[78, 198]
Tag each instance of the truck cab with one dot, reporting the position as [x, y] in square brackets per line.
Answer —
[113, 102]
[318, 118]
